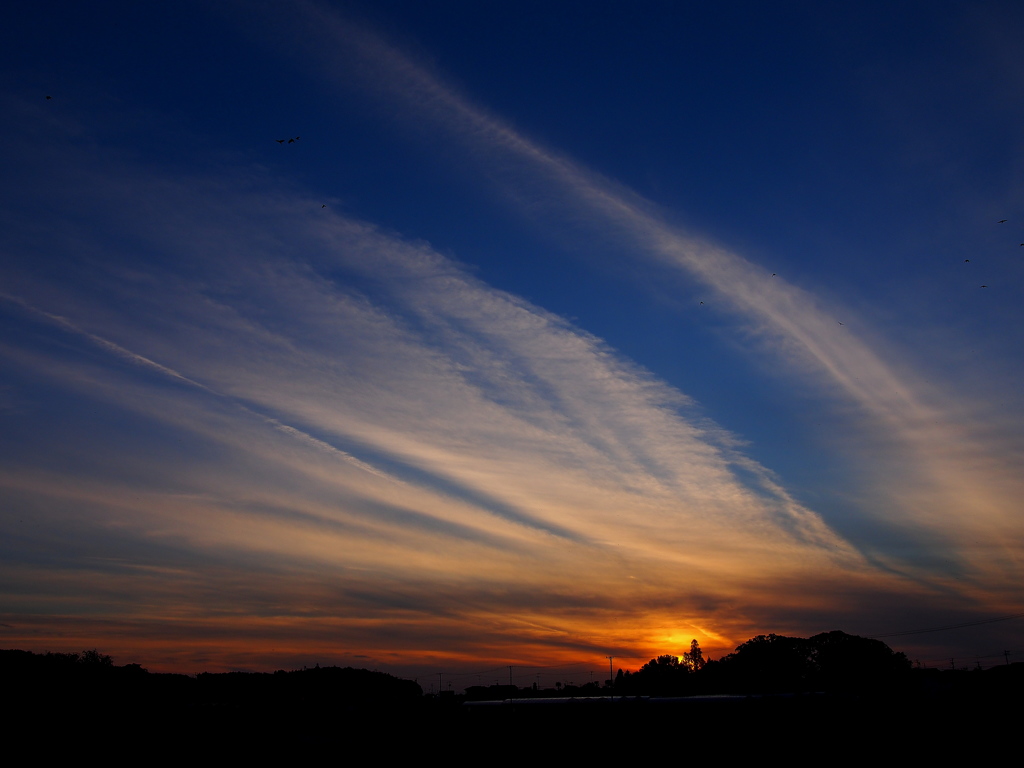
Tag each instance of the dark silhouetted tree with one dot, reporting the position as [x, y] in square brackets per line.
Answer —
[96, 658]
[845, 661]
[661, 676]
[770, 663]
[661, 664]
[693, 659]
[827, 661]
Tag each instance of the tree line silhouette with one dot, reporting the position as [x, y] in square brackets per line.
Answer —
[73, 679]
[832, 685]
[833, 662]
[830, 661]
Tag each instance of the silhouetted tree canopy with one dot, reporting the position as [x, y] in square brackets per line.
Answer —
[827, 661]
[693, 659]
[96, 658]
[92, 677]
[666, 675]
[845, 661]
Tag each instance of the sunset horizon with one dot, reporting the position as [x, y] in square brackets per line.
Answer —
[432, 338]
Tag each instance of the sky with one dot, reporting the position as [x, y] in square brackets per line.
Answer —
[440, 337]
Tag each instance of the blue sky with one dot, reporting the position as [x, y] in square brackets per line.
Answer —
[557, 333]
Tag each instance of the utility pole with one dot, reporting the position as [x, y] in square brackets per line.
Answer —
[1006, 655]
[611, 675]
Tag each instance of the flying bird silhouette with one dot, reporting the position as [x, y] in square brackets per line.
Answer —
[1001, 221]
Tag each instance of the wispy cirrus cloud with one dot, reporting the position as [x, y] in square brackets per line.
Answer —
[356, 410]
[242, 417]
[955, 480]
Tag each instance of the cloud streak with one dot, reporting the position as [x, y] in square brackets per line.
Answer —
[368, 413]
[238, 418]
[954, 482]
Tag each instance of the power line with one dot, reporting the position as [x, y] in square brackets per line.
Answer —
[951, 626]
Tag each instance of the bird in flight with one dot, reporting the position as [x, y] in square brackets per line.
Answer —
[49, 97]
[1001, 221]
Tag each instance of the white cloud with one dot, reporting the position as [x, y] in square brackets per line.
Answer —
[363, 405]
[946, 465]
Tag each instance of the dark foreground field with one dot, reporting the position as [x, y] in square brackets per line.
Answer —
[78, 705]
[796, 728]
